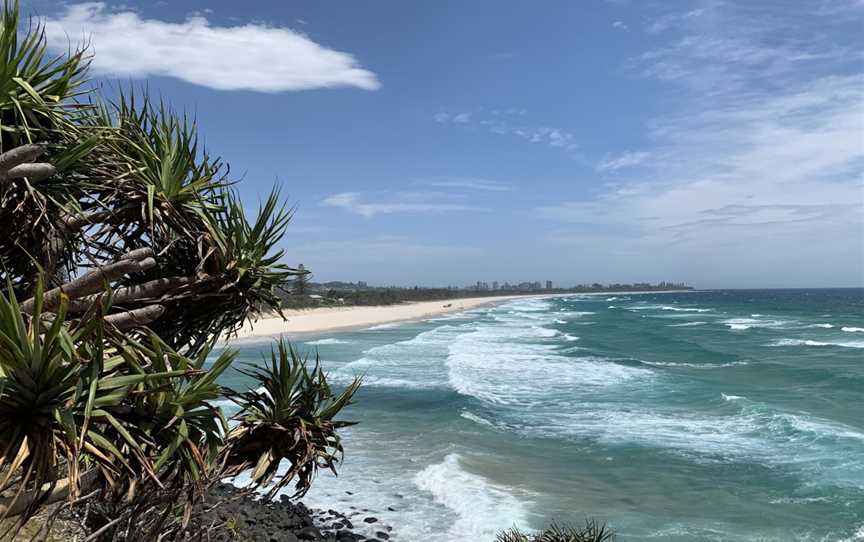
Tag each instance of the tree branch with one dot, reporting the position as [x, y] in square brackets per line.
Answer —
[33, 172]
[148, 290]
[95, 280]
[17, 156]
[135, 318]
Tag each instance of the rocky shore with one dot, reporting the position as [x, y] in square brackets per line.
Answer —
[248, 519]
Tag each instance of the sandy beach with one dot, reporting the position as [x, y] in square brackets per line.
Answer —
[342, 318]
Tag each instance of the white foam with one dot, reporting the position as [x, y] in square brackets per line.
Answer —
[688, 324]
[852, 329]
[823, 326]
[808, 342]
[391, 325]
[326, 341]
[481, 508]
[571, 338]
[696, 365]
[498, 364]
[741, 324]
[576, 314]
[476, 419]
[731, 397]
[685, 309]
[755, 431]
[415, 363]
[545, 332]
[857, 536]
[667, 308]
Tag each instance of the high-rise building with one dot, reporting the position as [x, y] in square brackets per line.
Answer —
[494, 284]
[548, 284]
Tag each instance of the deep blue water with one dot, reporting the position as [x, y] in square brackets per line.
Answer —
[709, 415]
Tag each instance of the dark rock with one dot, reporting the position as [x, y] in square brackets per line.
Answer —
[309, 533]
[282, 520]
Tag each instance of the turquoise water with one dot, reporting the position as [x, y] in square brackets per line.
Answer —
[715, 415]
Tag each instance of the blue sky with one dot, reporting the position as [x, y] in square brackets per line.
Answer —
[715, 142]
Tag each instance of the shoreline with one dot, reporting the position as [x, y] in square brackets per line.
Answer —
[329, 319]
[339, 319]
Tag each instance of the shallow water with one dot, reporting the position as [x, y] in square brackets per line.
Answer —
[716, 415]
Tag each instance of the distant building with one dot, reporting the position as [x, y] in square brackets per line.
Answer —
[494, 284]
[548, 284]
[361, 284]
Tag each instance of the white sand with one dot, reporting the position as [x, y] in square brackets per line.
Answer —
[341, 318]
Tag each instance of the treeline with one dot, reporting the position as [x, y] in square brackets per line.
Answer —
[352, 294]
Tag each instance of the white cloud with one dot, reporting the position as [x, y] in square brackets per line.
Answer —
[756, 172]
[472, 184]
[620, 25]
[508, 122]
[461, 118]
[621, 161]
[771, 159]
[666, 22]
[401, 202]
[253, 57]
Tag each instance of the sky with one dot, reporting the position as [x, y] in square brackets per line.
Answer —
[720, 143]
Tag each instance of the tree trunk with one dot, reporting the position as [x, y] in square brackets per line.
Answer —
[11, 507]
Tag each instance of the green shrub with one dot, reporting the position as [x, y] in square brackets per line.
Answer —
[590, 532]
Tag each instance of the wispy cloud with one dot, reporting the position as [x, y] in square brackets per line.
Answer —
[623, 160]
[620, 25]
[796, 154]
[458, 118]
[253, 57]
[762, 155]
[369, 205]
[472, 184]
[510, 122]
[661, 24]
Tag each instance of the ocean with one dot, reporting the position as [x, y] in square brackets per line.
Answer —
[704, 415]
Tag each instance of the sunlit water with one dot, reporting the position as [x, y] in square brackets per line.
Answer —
[717, 415]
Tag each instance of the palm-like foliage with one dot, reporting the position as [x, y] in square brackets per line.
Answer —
[64, 398]
[290, 416]
[37, 105]
[85, 408]
[35, 91]
[590, 532]
[165, 179]
[136, 257]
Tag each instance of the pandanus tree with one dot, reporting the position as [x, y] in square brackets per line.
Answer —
[125, 254]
